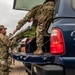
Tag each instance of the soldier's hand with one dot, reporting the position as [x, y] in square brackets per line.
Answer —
[16, 38]
[14, 31]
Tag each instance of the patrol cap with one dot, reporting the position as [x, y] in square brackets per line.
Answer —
[2, 27]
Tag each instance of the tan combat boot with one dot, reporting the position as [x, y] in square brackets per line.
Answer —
[38, 51]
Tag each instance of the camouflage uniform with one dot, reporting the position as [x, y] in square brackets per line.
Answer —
[42, 14]
[10, 50]
[45, 16]
[4, 45]
[33, 13]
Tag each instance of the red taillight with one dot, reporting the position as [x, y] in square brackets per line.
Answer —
[57, 42]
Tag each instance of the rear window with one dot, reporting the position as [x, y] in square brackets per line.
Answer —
[73, 4]
[26, 4]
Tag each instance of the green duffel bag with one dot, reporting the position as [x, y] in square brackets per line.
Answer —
[30, 32]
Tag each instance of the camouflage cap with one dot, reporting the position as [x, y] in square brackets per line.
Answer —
[2, 27]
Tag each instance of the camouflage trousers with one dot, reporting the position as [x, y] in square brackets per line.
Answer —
[40, 34]
[41, 26]
[4, 67]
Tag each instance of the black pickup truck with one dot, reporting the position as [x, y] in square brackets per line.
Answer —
[60, 56]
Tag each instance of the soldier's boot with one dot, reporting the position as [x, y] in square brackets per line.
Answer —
[38, 51]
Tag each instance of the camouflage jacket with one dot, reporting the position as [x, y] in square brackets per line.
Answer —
[5, 43]
[47, 12]
[41, 13]
[33, 13]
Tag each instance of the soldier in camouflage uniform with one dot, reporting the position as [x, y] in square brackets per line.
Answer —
[4, 45]
[45, 16]
[42, 14]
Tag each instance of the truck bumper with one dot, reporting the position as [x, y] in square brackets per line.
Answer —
[48, 69]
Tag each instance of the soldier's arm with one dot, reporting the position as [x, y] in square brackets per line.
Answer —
[29, 15]
[5, 40]
[27, 18]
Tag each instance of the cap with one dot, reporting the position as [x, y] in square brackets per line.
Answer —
[2, 27]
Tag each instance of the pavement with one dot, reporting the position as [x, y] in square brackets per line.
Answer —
[18, 69]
